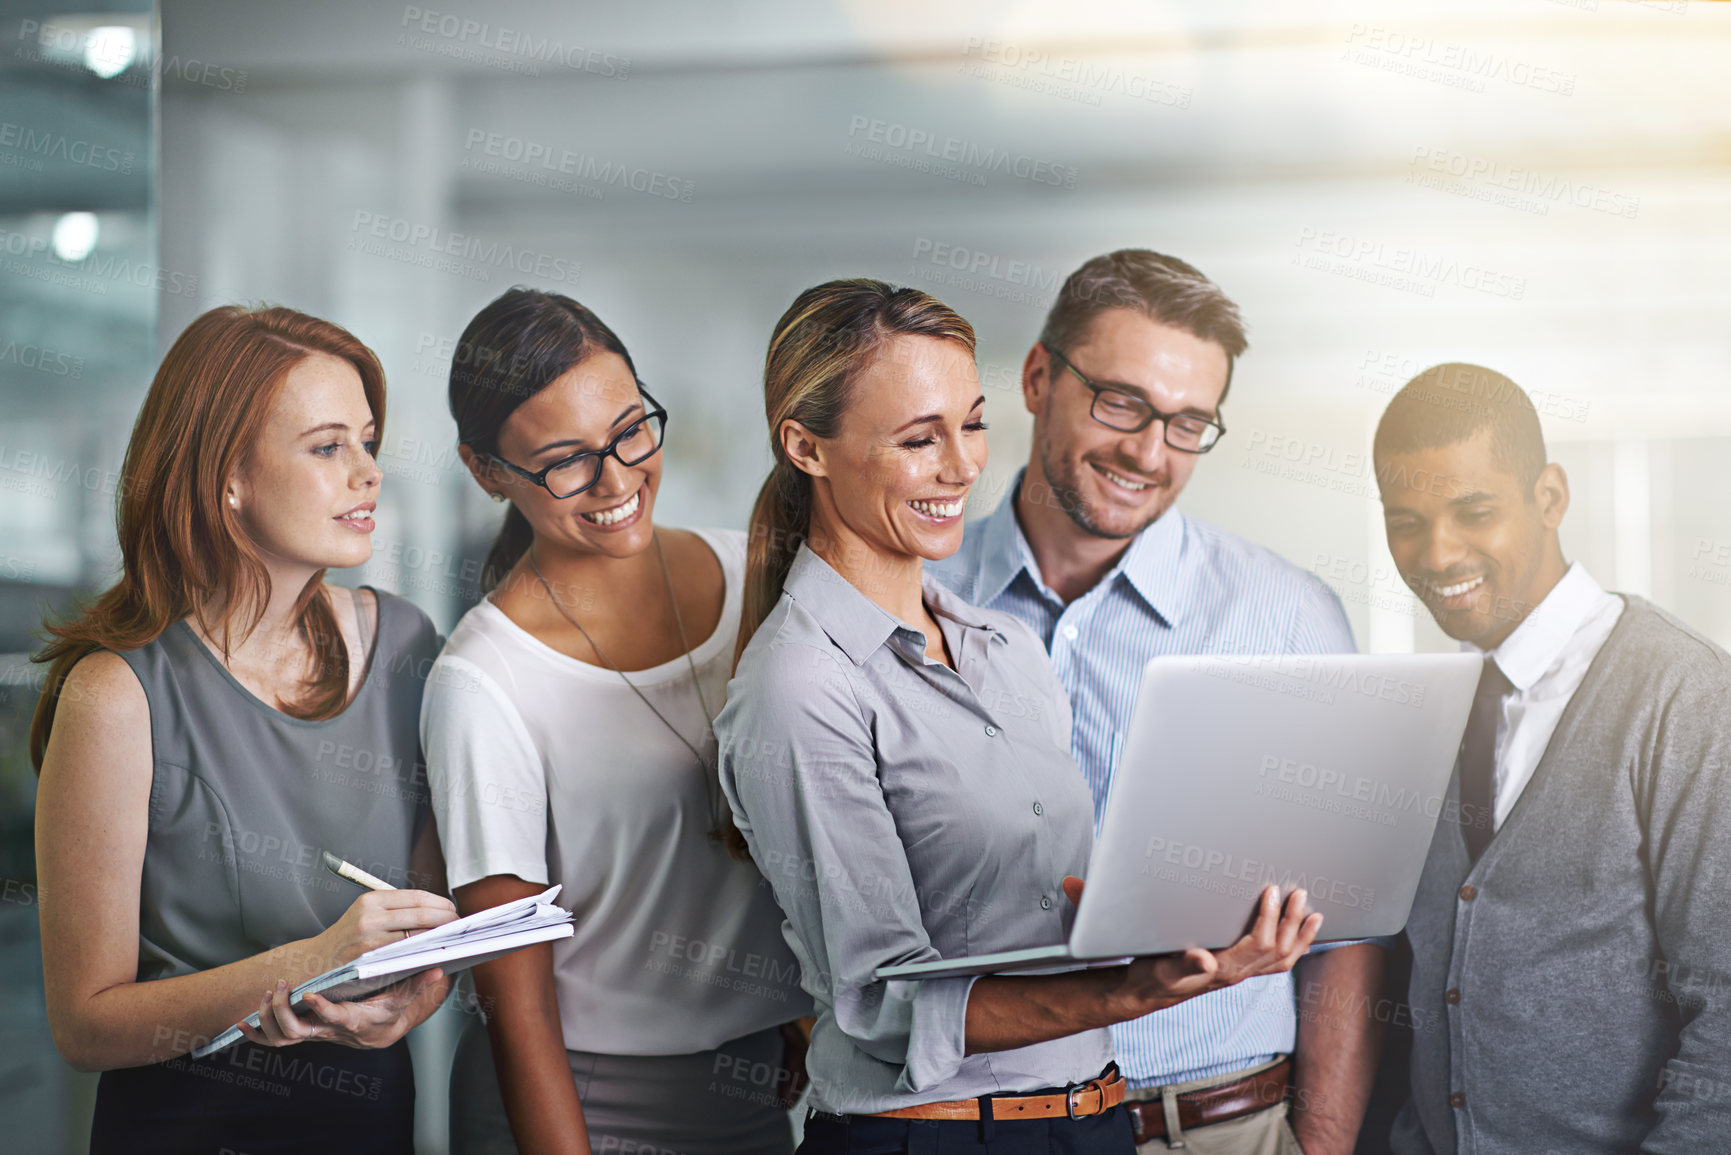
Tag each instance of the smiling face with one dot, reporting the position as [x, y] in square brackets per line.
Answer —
[912, 442]
[583, 409]
[306, 492]
[1477, 547]
[1112, 484]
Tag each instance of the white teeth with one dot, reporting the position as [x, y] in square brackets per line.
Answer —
[1457, 590]
[1120, 479]
[618, 513]
[939, 508]
[355, 515]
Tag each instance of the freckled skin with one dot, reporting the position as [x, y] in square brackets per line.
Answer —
[294, 482]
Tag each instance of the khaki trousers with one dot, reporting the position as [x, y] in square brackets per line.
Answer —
[1259, 1133]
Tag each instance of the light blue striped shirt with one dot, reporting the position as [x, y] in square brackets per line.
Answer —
[1182, 587]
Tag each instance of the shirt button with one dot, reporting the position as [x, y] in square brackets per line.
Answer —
[1457, 1100]
[1468, 893]
[1045, 903]
[1452, 995]
[991, 731]
[1038, 809]
[1072, 632]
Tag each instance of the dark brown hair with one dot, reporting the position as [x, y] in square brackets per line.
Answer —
[512, 349]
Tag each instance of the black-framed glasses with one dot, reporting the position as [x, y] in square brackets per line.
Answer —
[1117, 408]
[636, 443]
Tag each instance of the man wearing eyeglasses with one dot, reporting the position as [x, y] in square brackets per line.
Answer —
[1126, 385]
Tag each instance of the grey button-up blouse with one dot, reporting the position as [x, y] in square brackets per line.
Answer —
[903, 811]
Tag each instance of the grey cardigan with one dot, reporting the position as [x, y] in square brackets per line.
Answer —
[1571, 991]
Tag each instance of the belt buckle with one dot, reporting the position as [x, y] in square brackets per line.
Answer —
[1070, 1096]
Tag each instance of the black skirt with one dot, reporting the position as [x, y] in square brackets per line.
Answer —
[252, 1100]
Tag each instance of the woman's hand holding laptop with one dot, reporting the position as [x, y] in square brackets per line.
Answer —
[1279, 936]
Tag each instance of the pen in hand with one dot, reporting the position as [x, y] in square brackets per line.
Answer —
[353, 873]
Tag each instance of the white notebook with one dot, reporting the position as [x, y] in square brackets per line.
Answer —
[462, 943]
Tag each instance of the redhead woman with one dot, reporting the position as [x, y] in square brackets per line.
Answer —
[191, 741]
[898, 762]
[567, 727]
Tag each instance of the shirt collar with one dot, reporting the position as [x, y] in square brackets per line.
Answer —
[1159, 567]
[1156, 565]
[1004, 552]
[1539, 641]
[858, 625]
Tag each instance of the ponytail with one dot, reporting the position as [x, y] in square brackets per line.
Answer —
[780, 521]
[817, 350]
[515, 538]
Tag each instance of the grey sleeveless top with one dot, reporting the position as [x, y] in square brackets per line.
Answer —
[243, 798]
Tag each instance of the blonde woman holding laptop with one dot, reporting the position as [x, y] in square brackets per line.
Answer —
[898, 763]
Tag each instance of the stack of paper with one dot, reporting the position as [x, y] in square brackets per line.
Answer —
[455, 946]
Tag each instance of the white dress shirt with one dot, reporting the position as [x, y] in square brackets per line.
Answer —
[1545, 659]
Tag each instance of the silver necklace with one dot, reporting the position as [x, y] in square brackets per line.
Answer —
[684, 644]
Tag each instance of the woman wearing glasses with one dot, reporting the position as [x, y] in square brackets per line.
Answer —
[898, 762]
[567, 729]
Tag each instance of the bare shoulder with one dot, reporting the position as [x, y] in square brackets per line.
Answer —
[347, 603]
[101, 740]
[695, 566]
[688, 551]
[102, 687]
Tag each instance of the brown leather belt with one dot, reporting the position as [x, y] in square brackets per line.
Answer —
[1091, 1098]
[1252, 1093]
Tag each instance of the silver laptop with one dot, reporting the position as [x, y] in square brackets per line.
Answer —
[1327, 772]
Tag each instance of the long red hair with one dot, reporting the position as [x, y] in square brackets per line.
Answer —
[181, 546]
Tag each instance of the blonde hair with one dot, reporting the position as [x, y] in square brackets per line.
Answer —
[816, 353]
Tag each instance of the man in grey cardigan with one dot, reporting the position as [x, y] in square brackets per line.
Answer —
[1571, 935]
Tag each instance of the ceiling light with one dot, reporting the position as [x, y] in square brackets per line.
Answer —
[74, 236]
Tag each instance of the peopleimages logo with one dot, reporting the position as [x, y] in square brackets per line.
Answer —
[1075, 78]
[1220, 872]
[553, 162]
[1323, 788]
[1400, 266]
[461, 253]
[460, 37]
[1325, 675]
[57, 146]
[933, 147]
[1540, 188]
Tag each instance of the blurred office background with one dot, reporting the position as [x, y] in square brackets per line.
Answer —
[1538, 185]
